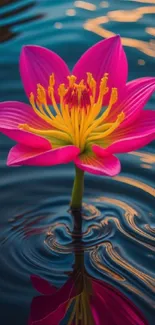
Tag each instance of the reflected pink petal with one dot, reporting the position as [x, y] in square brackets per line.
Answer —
[53, 317]
[42, 285]
[47, 309]
[105, 56]
[23, 155]
[115, 306]
[107, 166]
[37, 64]
[14, 113]
[139, 134]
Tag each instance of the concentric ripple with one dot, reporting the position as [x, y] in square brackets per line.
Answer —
[118, 231]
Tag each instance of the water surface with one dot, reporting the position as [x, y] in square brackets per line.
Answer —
[119, 213]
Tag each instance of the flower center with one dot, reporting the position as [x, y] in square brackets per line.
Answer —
[79, 120]
[77, 95]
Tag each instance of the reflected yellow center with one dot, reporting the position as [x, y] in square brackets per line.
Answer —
[79, 119]
[81, 312]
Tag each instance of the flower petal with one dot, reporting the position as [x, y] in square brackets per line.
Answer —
[106, 56]
[91, 163]
[139, 134]
[37, 64]
[47, 309]
[54, 318]
[133, 99]
[23, 155]
[115, 306]
[14, 113]
[42, 286]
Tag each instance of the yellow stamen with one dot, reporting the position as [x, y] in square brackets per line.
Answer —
[103, 89]
[92, 84]
[77, 130]
[79, 119]
[51, 95]
[95, 109]
[72, 80]
[98, 121]
[113, 100]
[114, 125]
[41, 97]
[38, 112]
[52, 133]
[52, 80]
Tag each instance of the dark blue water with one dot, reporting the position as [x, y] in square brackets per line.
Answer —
[119, 214]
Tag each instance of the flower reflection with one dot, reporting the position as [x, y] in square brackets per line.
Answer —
[82, 300]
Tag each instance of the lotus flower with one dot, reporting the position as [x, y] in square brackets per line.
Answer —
[93, 303]
[95, 113]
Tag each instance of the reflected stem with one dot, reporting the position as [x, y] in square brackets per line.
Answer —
[78, 189]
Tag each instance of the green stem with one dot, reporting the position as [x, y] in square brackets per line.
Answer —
[78, 188]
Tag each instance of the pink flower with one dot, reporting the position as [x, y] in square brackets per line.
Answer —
[78, 129]
[92, 302]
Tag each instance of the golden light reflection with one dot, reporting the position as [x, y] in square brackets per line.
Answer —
[130, 16]
[97, 261]
[113, 254]
[85, 5]
[141, 62]
[120, 228]
[148, 158]
[150, 30]
[104, 4]
[58, 25]
[150, 229]
[145, 166]
[94, 25]
[70, 12]
[93, 212]
[144, 1]
[129, 215]
[136, 183]
[148, 280]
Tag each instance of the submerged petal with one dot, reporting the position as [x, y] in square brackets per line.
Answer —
[53, 318]
[14, 113]
[133, 99]
[106, 56]
[49, 310]
[23, 155]
[115, 306]
[139, 134]
[37, 64]
[42, 285]
[91, 163]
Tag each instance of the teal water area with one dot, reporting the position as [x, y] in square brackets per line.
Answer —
[119, 213]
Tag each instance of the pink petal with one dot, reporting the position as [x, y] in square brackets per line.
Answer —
[14, 113]
[54, 318]
[49, 310]
[105, 56]
[42, 285]
[133, 99]
[114, 306]
[23, 155]
[107, 166]
[37, 64]
[29, 321]
[139, 134]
